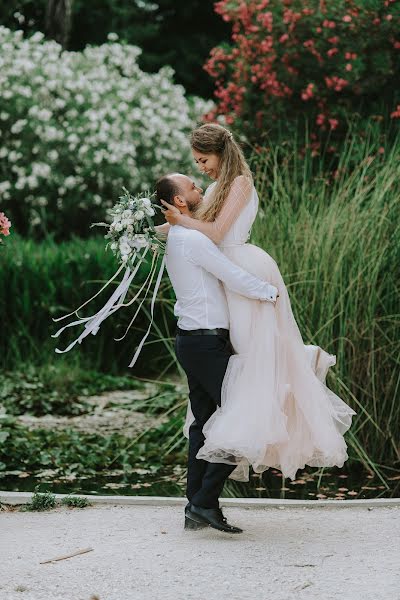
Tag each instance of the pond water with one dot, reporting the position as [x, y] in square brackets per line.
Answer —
[310, 484]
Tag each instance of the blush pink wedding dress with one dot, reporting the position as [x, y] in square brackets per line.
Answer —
[276, 410]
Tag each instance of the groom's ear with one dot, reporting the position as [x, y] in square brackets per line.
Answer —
[179, 201]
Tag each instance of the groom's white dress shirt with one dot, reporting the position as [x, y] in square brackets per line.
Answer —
[196, 269]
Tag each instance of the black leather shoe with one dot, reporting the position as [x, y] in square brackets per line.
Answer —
[190, 523]
[211, 516]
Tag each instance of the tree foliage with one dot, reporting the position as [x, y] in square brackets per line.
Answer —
[169, 33]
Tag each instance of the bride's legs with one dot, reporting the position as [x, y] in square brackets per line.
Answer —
[241, 311]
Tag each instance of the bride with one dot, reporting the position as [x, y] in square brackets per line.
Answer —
[276, 410]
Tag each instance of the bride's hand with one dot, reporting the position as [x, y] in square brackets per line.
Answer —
[171, 213]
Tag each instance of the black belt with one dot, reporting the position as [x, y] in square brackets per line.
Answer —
[218, 331]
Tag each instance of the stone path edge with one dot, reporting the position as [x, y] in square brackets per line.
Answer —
[15, 498]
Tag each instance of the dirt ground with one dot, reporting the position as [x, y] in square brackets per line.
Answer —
[143, 553]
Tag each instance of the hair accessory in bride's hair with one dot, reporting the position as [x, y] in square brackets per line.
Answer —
[132, 239]
[229, 135]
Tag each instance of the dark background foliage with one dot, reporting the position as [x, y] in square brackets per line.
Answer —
[180, 37]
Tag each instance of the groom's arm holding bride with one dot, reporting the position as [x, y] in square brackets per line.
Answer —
[201, 251]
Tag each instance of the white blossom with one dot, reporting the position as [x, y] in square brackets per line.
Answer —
[83, 124]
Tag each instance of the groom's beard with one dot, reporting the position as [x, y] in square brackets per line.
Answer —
[192, 206]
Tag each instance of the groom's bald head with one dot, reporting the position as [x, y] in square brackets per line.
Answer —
[179, 190]
[167, 187]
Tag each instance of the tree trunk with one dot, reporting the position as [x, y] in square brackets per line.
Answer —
[58, 20]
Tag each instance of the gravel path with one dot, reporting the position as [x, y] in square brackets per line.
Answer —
[143, 553]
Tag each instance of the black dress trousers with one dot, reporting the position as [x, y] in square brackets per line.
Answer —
[204, 359]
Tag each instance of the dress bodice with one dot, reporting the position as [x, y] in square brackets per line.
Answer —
[239, 232]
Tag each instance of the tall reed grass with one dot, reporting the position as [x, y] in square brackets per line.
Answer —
[336, 239]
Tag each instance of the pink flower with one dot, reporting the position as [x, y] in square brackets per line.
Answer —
[347, 19]
[381, 150]
[320, 119]
[349, 67]
[337, 83]
[333, 123]
[5, 224]
[308, 92]
[396, 45]
[396, 114]
[332, 51]
[283, 38]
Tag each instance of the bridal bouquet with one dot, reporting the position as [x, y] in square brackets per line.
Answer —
[131, 237]
[131, 232]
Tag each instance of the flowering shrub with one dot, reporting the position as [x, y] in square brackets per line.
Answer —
[77, 126]
[5, 225]
[321, 59]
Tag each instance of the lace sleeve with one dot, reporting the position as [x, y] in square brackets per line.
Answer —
[238, 197]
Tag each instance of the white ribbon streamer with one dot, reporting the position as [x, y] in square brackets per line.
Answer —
[116, 301]
[113, 304]
[75, 312]
[157, 285]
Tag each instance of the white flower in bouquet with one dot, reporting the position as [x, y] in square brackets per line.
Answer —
[131, 233]
[140, 241]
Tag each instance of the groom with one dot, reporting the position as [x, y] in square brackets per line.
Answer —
[196, 268]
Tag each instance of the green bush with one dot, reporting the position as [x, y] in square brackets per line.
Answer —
[45, 280]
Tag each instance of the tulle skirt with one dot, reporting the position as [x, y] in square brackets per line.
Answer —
[276, 410]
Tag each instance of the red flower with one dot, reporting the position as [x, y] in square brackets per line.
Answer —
[332, 51]
[308, 92]
[396, 114]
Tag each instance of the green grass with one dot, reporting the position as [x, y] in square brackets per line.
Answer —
[41, 501]
[75, 502]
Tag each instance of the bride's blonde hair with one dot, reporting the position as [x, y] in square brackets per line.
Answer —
[212, 138]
